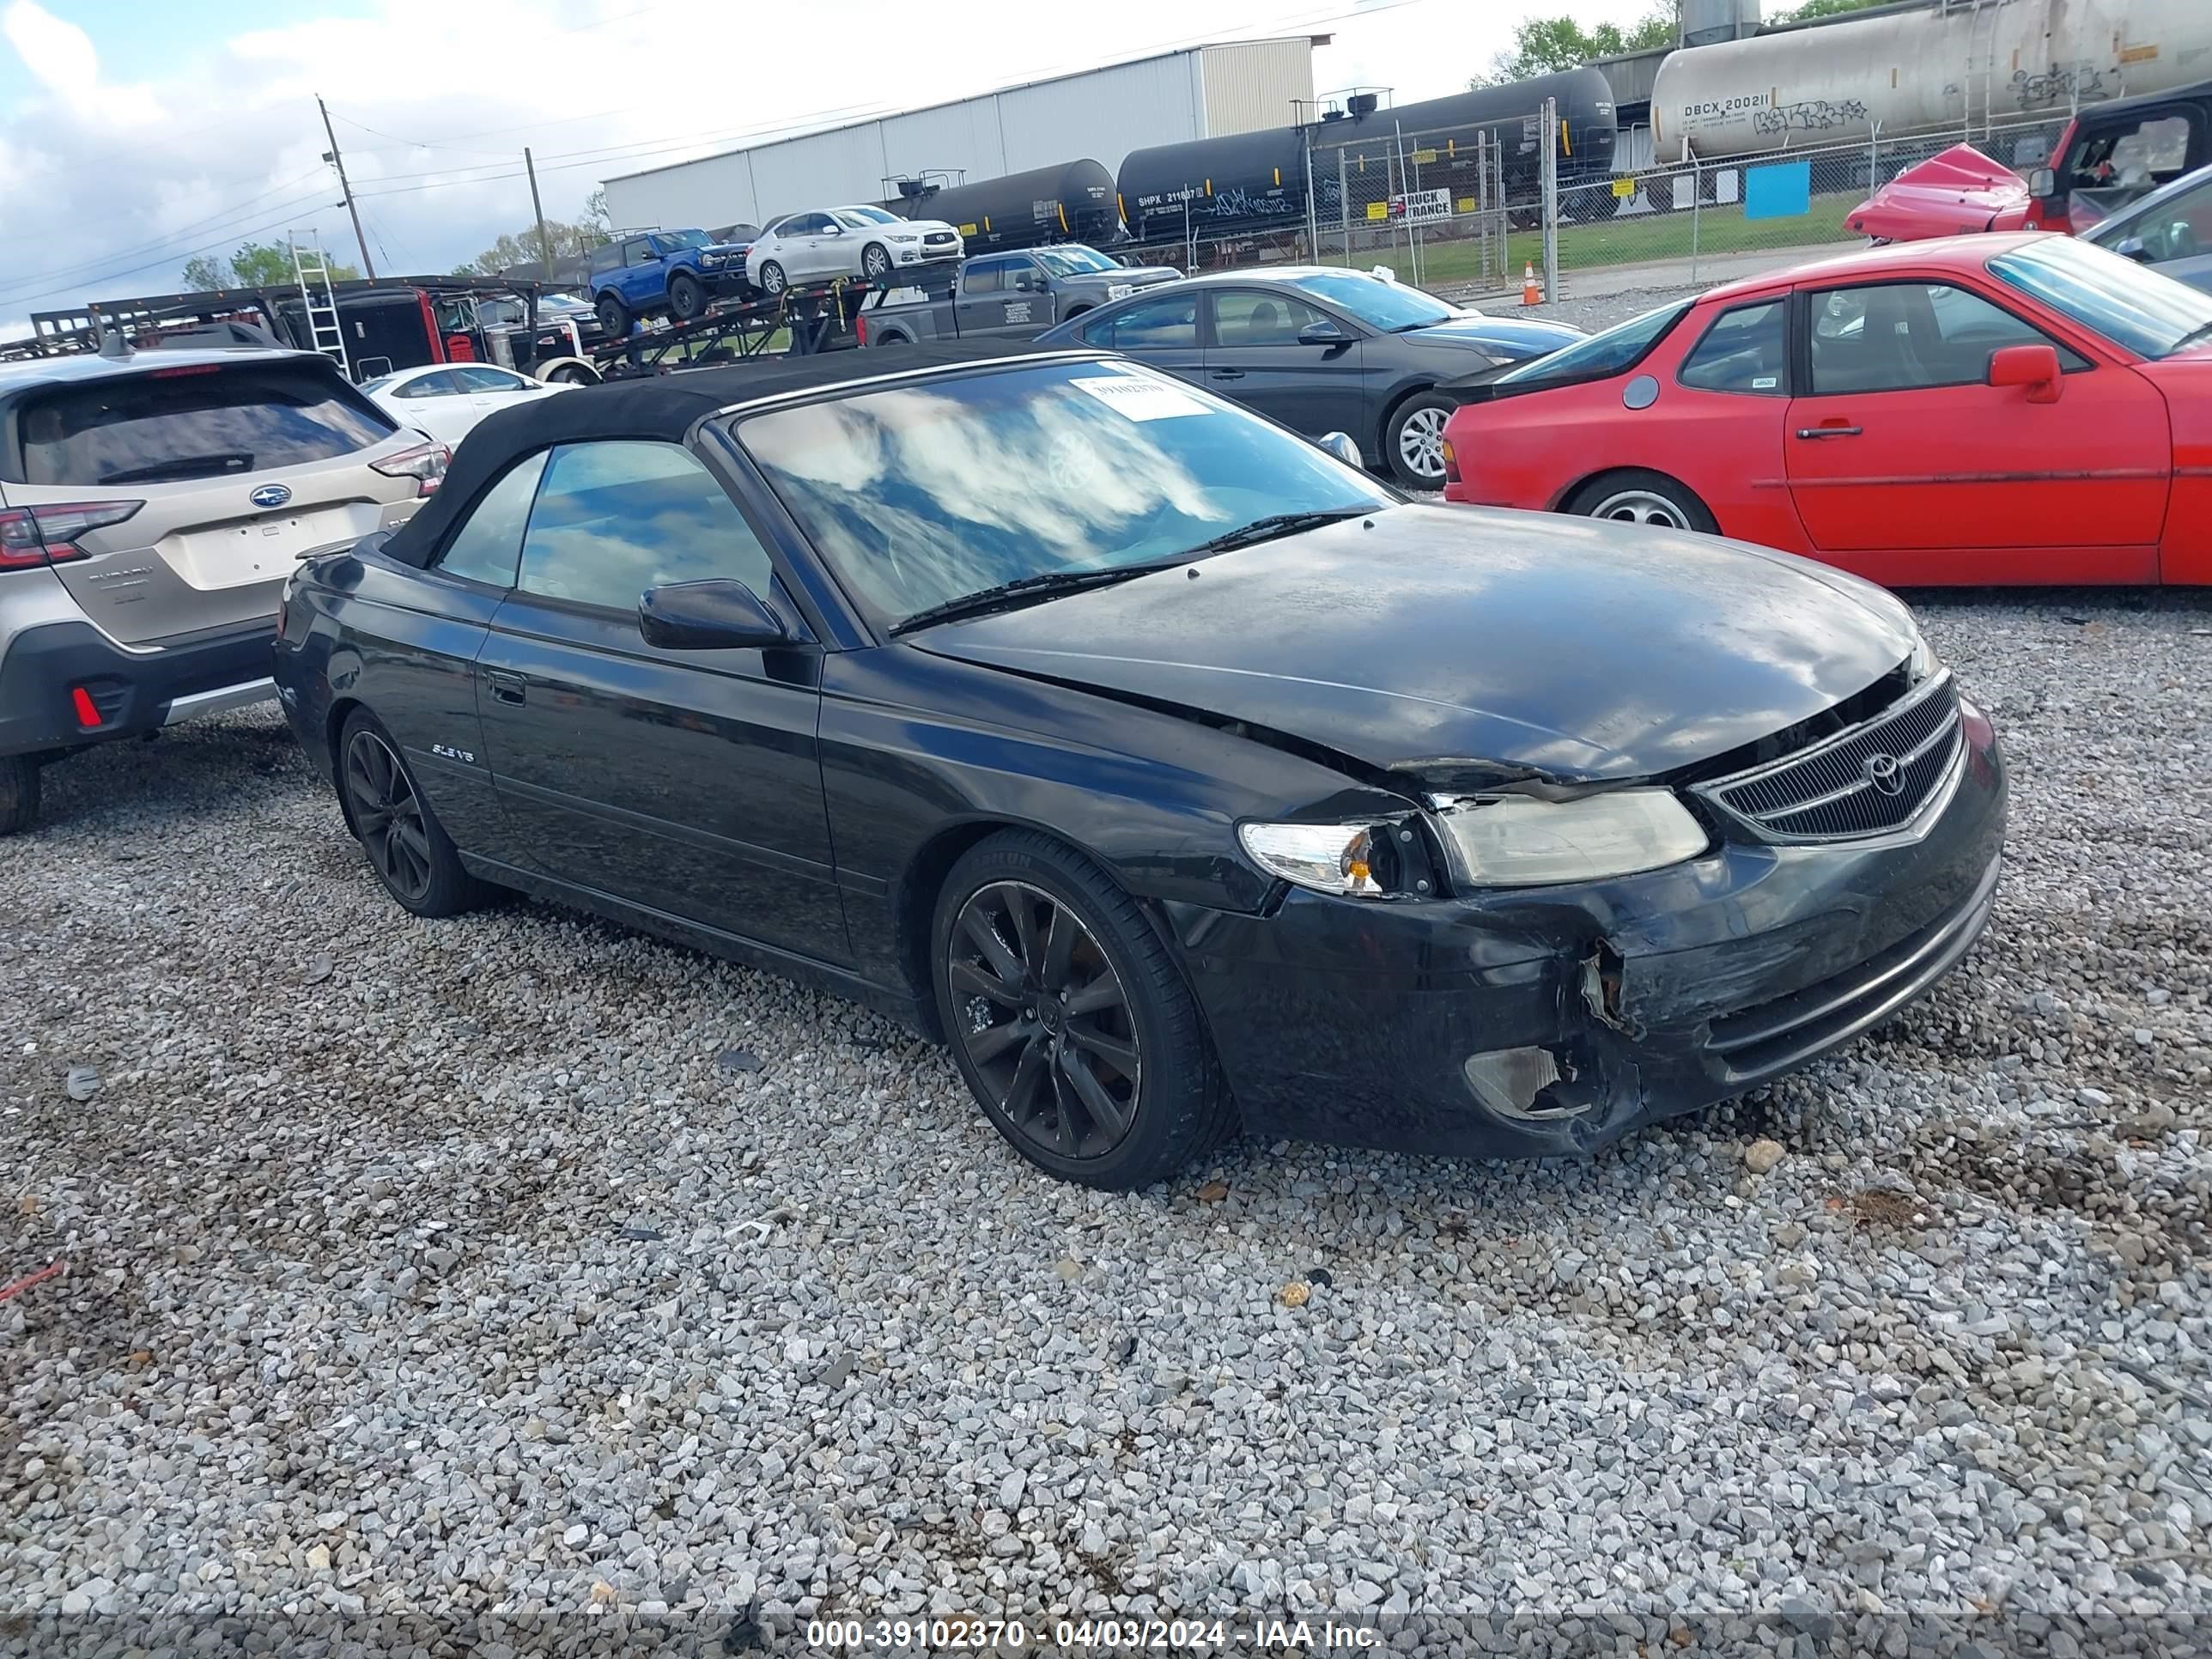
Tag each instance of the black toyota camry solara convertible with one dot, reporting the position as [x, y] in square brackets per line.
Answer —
[1176, 774]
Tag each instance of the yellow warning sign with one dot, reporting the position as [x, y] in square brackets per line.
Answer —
[1624, 188]
[1466, 204]
[1424, 157]
[1379, 210]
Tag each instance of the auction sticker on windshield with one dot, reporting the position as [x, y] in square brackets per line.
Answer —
[1139, 398]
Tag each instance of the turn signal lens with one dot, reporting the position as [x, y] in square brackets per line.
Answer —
[1518, 840]
[1351, 859]
[1451, 463]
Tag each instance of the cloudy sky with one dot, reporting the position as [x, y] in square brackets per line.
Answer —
[135, 133]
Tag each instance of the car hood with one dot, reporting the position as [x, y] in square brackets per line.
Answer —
[1452, 643]
[726, 247]
[1134, 276]
[1958, 191]
[1516, 339]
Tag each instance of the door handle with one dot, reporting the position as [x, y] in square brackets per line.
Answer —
[1228, 374]
[1828, 431]
[504, 687]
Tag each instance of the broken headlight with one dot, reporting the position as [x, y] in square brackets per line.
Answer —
[1359, 860]
[1518, 840]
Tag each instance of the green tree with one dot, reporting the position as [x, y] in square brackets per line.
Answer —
[1544, 46]
[521, 246]
[256, 264]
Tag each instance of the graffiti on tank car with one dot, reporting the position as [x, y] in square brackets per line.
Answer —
[1241, 203]
[1813, 115]
[2057, 85]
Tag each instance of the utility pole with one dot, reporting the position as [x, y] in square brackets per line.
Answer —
[332, 155]
[544, 242]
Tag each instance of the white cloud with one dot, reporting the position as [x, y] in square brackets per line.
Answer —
[100, 201]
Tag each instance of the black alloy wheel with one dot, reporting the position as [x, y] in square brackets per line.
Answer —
[687, 296]
[614, 317]
[1045, 1020]
[406, 845]
[387, 816]
[1070, 1018]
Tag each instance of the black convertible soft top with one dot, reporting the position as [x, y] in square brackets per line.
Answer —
[661, 406]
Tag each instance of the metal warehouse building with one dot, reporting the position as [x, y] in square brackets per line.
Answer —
[1100, 115]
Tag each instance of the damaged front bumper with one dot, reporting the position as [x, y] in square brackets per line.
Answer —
[1539, 1022]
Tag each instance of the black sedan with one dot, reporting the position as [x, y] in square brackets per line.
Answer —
[1178, 775]
[1321, 351]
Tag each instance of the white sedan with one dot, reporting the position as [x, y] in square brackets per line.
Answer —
[446, 399]
[846, 242]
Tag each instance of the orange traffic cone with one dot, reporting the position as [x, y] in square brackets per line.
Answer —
[1530, 293]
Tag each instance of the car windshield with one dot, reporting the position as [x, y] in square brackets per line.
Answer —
[1619, 348]
[1073, 260]
[867, 217]
[920, 494]
[2149, 313]
[1390, 306]
[684, 238]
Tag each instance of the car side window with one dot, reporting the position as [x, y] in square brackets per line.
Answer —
[1745, 349]
[489, 544]
[1167, 323]
[1023, 276]
[477, 378]
[638, 250]
[2180, 230]
[1903, 337]
[615, 517]
[440, 384]
[1248, 317]
[982, 276]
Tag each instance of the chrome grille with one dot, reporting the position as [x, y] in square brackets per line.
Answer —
[1873, 778]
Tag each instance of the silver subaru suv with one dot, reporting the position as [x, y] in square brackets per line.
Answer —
[151, 506]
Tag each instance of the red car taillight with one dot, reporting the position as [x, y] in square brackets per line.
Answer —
[31, 537]
[426, 463]
[1451, 463]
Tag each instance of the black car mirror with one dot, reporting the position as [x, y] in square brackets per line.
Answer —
[717, 615]
[1322, 333]
[1340, 445]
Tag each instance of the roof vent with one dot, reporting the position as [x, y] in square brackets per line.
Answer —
[1361, 104]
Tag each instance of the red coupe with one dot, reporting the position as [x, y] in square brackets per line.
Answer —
[2001, 408]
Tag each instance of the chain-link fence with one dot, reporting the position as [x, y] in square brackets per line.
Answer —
[1464, 211]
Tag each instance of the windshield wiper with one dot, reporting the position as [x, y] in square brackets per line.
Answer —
[181, 467]
[1274, 525]
[1047, 585]
[2201, 331]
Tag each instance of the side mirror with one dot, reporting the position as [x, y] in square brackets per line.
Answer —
[1340, 445]
[2034, 367]
[2042, 183]
[717, 615]
[833, 229]
[1322, 333]
[2131, 247]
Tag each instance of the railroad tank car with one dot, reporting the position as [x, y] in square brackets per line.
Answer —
[1831, 82]
[1073, 202]
[1249, 179]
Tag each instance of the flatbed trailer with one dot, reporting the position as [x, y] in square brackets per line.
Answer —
[816, 317]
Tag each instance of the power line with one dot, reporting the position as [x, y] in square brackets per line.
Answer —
[79, 271]
[168, 259]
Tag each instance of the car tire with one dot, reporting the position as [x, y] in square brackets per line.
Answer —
[1029, 1031]
[687, 296]
[614, 316]
[1633, 495]
[405, 845]
[772, 279]
[19, 793]
[1413, 439]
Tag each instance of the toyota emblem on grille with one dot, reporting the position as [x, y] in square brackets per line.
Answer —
[271, 496]
[1883, 772]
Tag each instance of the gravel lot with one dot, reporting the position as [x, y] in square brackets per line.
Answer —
[520, 1267]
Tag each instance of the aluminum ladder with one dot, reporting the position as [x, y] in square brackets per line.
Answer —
[312, 267]
[1978, 89]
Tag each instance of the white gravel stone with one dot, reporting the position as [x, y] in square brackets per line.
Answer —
[1640, 1384]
